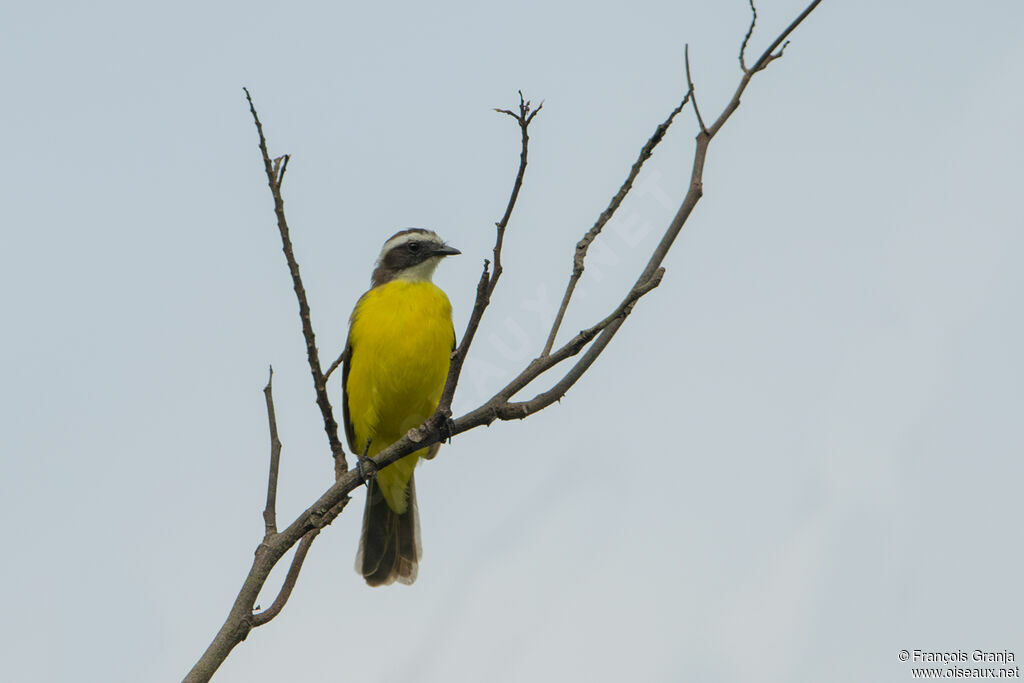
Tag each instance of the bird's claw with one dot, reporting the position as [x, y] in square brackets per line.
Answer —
[366, 467]
[448, 429]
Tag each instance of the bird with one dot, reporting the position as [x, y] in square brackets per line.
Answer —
[395, 364]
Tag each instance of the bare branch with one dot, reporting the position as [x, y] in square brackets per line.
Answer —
[769, 54]
[280, 168]
[488, 279]
[319, 380]
[584, 244]
[335, 365]
[261, 618]
[523, 118]
[692, 92]
[766, 58]
[746, 38]
[241, 619]
[572, 347]
[270, 512]
[773, 56]
[498, 407]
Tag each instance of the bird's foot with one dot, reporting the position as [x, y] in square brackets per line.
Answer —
[367, 468]
[447, 429]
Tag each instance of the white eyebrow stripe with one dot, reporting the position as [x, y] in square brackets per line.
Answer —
[419, 235]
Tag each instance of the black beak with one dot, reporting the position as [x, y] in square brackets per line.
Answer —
[445, 250]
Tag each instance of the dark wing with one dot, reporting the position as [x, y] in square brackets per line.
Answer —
[432, 451]
[350, 433]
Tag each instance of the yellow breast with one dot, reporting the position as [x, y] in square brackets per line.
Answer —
[401, 339]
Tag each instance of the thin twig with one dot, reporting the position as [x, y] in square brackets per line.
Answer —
[523, 118]
[746, 38]
[284, 167]
[691, 91]
[773, 56]
[766, 58]
[335, 365]
[488, 278]
[769, 55]
[319, 381]
[240, 620]
[693, 195]
[584, 244]
[499, 407]
[572, 347]
[270, 512]
[261, 618]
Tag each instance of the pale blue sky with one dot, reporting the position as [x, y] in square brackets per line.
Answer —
[801, 455]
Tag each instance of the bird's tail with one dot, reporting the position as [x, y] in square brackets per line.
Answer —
[389, 549]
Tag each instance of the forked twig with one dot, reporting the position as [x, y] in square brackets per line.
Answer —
[746, 38]
[691, 91]
[274, 178]
[580, 255]
[488, 278]
[261, 618]
[500, 407]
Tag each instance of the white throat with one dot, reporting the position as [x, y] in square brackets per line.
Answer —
[421, 272]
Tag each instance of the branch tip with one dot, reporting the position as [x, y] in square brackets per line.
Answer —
[691, 92]
[280, 168]
[769, 55]
[746, 38]
[270, 511]
[335, 365]
[580, 253]
[274, 170]
[526, 111]
[488, 278]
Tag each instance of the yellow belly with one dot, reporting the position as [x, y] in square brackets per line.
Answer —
[401, 339]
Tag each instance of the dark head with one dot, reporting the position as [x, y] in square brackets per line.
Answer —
[411, 254]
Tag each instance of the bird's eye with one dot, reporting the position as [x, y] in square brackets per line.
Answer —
[414, 247]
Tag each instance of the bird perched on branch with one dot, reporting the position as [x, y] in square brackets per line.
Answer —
[396, 360]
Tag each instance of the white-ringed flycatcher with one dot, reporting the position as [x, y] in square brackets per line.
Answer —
[396, 360]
